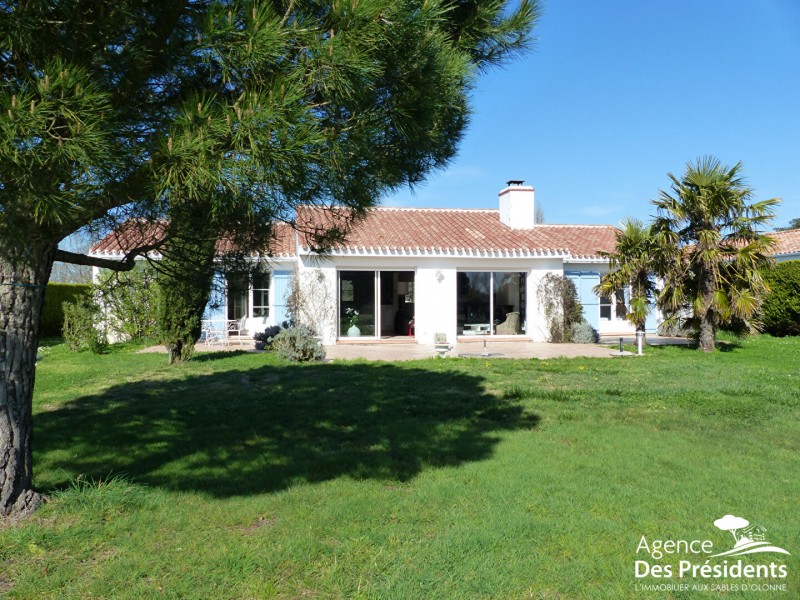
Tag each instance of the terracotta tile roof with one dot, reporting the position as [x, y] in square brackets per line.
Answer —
[135, 233]
[421, 230]
[788, 242]
[132, 234]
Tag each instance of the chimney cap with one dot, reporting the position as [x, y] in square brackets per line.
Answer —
[515, 182]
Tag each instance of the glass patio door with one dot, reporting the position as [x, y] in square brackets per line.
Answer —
[490, 303]
[357, 303]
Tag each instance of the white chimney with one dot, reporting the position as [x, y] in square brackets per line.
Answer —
[516, 205]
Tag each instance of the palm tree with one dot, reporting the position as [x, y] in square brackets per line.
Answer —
[710, 248]
[632, 267]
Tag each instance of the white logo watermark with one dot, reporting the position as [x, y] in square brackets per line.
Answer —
[697, 559]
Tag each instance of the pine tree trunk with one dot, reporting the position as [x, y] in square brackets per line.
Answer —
[174, 352]
[24, 272]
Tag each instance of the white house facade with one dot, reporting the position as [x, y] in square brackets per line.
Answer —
[409, 274]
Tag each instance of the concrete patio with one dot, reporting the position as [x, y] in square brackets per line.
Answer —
[499, 349]
[391, 352]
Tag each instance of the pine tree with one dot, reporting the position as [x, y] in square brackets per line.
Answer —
[128, 108]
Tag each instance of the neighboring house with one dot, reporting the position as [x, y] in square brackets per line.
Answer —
[419, 271]
[787, 246]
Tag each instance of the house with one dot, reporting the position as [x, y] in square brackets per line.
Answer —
[787, 245]
[413, 272]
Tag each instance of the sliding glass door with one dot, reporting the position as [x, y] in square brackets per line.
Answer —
[357, 303]
[490, 303]
[376, 303]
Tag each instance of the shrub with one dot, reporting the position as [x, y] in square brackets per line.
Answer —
[780, 312]
[675, 327]
[562, 309]
[267, 337]
[583, 333]
[82, 320]
[298, 344]
[53, 311]
[131, 301]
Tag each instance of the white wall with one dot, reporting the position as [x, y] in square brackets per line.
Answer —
[435, 302]
[319, 287]
[537, 323]
[435, 288]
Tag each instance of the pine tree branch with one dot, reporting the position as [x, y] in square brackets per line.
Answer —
[288, 13]
[127, 263]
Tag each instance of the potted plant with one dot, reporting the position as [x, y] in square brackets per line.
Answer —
[352, 322]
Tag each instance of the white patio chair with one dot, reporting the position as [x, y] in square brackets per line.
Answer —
[213, 333]
[234, 331]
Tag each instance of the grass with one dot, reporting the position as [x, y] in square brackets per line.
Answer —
[239, 476]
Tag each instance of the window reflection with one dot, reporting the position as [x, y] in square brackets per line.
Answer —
[490, 303]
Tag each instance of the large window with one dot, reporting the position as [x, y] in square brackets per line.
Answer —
[261, 295]
[491, 303]
[248, 296]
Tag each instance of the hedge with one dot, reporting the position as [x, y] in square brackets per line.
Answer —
[52, 312]
[780, 312]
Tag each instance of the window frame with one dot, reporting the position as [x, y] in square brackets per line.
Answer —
[265, 295]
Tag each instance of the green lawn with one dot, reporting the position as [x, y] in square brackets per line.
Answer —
[238, 476]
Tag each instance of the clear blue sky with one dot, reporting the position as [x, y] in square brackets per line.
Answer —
[617, 94]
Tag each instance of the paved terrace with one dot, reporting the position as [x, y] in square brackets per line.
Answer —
[504, 349]
[391, 352]
[608, 348]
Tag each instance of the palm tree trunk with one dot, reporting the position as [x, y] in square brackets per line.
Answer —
[24, 271]
[707, 339]
[708, 328]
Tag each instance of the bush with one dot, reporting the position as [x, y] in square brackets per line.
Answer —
[583, 333]
[131, 301]
[298, 344]
[780, 312]
[675, 327]
[82, 320]
[53, 312]
[267, 337]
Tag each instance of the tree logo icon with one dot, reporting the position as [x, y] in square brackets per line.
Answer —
[748, 539]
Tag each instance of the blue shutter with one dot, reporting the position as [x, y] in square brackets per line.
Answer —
[281, 282]
[215, 309]
[584, 282]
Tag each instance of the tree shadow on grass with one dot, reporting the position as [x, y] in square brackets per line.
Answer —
[251, 431]
[213, 355]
